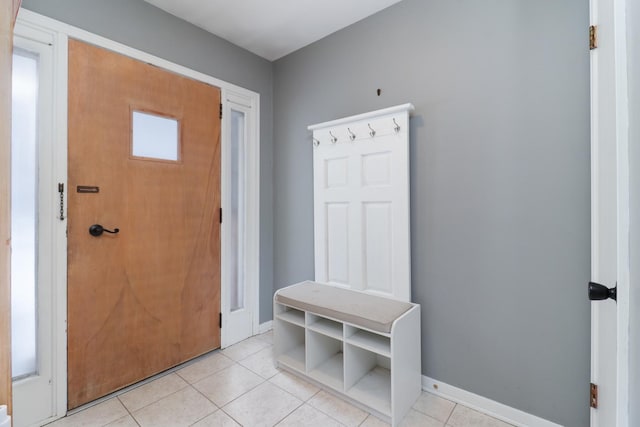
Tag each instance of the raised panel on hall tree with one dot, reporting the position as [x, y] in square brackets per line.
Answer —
[376, 169]
[337, 242]
[377, 246]
[336, 172]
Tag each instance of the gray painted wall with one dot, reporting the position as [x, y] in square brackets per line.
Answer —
[147, 28]
[633, 40]
[499, 183]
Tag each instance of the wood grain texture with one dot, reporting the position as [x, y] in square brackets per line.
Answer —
[8, 11]
[148, 298]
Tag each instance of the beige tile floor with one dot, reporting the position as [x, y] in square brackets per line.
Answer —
[239, 386]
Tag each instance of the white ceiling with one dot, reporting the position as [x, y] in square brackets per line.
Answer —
[272, 29]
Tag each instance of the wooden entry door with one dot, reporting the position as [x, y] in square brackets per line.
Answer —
[147, 298]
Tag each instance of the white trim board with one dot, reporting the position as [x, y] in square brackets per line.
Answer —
[243, 323]
[265, 327]
[482, 404]
[623, 209]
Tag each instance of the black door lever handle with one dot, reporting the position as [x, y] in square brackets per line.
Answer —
[599, 292]
[97, 230]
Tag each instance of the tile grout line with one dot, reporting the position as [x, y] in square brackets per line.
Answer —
[248, 391]
[155, 401]
[450, 414]
[211, 374]
[128, 411]
[238, 397]
[283, 389]
[230, 416]
[257, 373]
[218, 408]
[329, 415]
[203, 395]
[248, 355]
[291, 412]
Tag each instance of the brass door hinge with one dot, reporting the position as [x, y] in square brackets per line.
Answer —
[593, 37]
[593, 396]
[221, 110]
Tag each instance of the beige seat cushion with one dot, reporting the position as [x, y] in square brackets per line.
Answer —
[358, 308]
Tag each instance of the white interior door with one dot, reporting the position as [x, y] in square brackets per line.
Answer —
[35, 223]
[609, 214]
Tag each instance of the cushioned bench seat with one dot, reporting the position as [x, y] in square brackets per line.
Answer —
[358, 308]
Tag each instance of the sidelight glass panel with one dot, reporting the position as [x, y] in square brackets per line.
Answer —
[154, 137]
[238, 145]
[24, 208]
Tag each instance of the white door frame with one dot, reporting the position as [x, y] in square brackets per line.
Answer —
[243, 323]
[609, 125]
[61, 32]
[51, 164]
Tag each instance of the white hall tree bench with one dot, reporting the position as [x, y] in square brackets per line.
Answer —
[354, 330]
[361, 346]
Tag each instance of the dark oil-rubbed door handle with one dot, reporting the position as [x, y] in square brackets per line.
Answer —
[97, 230]
[598, 292]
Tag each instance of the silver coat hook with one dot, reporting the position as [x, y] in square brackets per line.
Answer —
[396, 128]
[352, 135]
[333, 137]
[372, 132]
[316, 142]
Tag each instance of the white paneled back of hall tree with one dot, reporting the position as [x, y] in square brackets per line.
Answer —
[361, 208]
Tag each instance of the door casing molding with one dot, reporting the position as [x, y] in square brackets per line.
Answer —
[61, 32]
[233, 100]
[609, 93]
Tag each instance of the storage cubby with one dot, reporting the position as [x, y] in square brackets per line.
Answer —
[376, 342]
[289, 344]
[368, 378]
[325, 326]
[325, 359]
[291, 315]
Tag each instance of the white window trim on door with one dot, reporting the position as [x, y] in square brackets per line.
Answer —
[61, 32]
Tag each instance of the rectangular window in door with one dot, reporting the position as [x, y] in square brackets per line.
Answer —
[24, 195]
[238, 147]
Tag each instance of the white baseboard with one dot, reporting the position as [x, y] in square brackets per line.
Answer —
[482, 404]
[265, 327]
